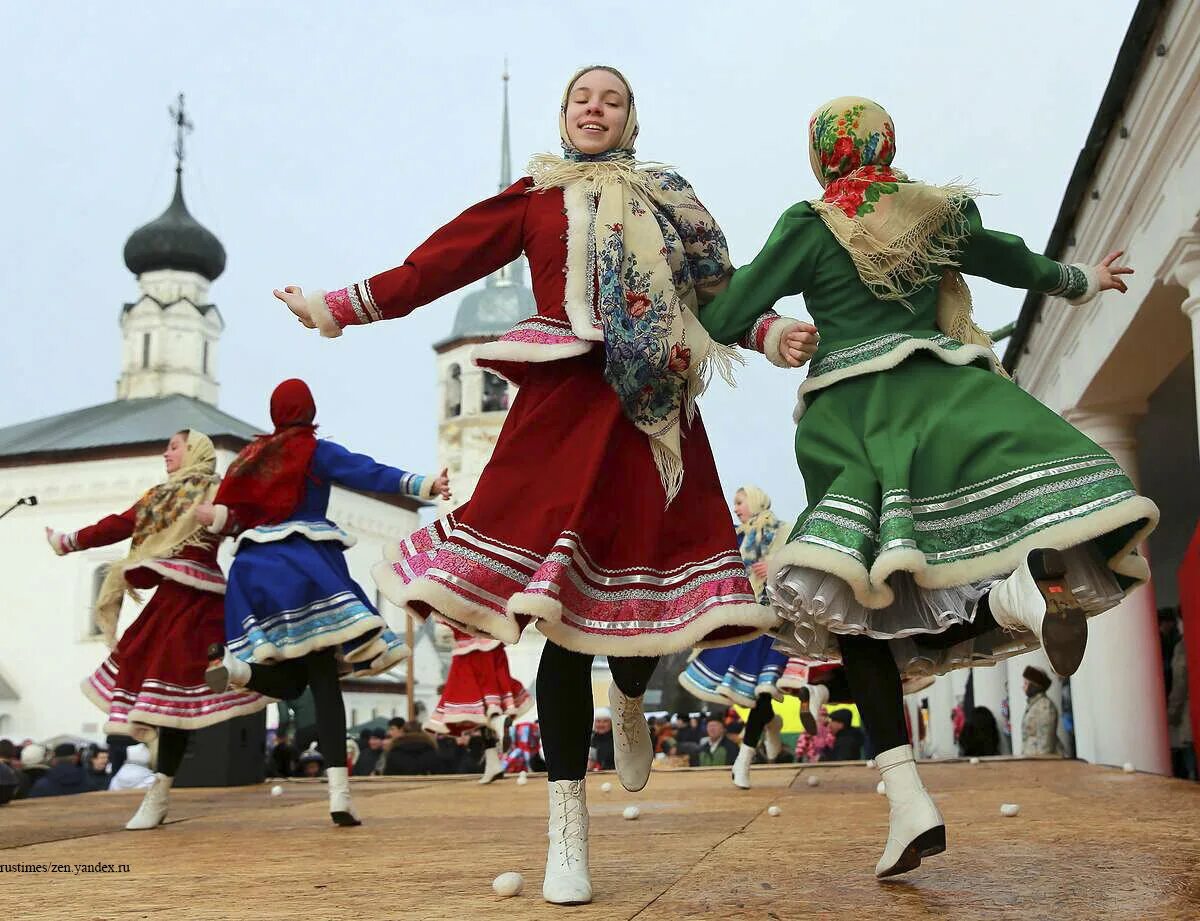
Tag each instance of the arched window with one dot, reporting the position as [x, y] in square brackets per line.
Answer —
[495, 393]
[454, 392]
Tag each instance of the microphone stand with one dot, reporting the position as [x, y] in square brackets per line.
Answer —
[24, 500]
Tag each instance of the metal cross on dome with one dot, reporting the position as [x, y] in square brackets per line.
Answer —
[182, 126]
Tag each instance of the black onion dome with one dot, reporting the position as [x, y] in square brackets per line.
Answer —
[175, 240]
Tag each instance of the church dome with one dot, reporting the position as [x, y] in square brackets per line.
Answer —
[492, 310]
[175, 240]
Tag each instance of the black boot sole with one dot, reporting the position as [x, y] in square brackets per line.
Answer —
[216, 676]
[1064, 628]
[344, 819]
[924, 845]
[807, 719]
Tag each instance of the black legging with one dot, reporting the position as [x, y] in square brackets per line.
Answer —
[564, 699]
[172, 743]
[875, 683]
[287, 680]
[762, 714]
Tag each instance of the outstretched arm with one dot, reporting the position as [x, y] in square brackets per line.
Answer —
[358, 471]
[479, 241]
[110, 529]
[1005, 259]
[745, 311]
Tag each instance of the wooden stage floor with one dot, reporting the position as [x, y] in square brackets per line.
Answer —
[1089, 843]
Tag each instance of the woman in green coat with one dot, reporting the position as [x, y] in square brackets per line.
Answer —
[953, 520]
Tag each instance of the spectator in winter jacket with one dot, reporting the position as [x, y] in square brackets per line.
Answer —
[414, 751]
[847, 739]
[717, 748]
[1039, 728]
[66, 776]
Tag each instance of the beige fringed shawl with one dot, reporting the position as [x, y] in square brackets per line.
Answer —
[166, 525]
[641, 252]
[902, 235]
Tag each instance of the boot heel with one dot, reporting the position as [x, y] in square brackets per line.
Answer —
[345, 819]
[1064, 629]
[216, 676]
[807, 718]
[931, 842]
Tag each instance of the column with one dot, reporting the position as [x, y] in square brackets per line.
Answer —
[1183, 268]
[1117, 694]
[941, 721]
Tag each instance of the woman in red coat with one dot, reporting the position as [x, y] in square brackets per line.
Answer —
[152, 683]
[599, 515]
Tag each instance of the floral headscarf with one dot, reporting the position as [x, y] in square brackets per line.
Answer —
[901, 234]
[165, 525]
[642, 252]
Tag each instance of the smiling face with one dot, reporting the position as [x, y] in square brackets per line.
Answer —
[740, 507]
[597, 108]
[176, 449]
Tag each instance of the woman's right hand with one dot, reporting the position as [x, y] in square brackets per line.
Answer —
[205, 513]
[759, 569]
[293, 296]
[1109, 274]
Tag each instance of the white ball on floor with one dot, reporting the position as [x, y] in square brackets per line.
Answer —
[1009, 809]
[277, 790]
[631, 812]
[974, 760]
[508, 884]
[606, 787]
[880, 788]
[522, 779]
[774, 810]
[813, 780]
[1128, 767]
[871, 763]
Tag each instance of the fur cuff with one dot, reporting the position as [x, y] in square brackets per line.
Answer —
[318, 311]
[427, 487]
[58, 542]
[1093, 285]
[774, 338]
[220, 519]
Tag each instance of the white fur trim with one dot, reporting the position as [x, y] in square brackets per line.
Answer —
[775, 337]
[174, 575]
[57, 542]
[267, 534]
[966, 355]
[872, 591]
[577, 302]
[689, 684]
[220, 519]
[269, 653]
[1093, 287]
[318, 312]
[145, 722]
[427, 486]
[527, 352]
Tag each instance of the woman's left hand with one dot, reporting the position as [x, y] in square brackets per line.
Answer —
[799, 344]
[441, 485]
[759, 569]
[205, 513]
[1110, 275]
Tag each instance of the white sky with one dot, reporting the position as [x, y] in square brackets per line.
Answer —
[332, 138]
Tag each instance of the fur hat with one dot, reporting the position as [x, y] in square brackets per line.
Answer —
[33, 755]
[1036, 676]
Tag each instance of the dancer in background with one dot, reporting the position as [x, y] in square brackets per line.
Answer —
[152, 683]
[294, 617]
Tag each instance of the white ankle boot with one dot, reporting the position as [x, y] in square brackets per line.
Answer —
[634, 749]
[341, 807]
[741, 767]
[773, 737]
[1037, 599]
[812, 698]
[567, 881]
[916, 828]
[225, 670]
[492, 768]
[153, 809]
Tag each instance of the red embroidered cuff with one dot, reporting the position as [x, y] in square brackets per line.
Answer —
[756, 336]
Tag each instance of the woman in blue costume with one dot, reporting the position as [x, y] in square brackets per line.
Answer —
[294, 617]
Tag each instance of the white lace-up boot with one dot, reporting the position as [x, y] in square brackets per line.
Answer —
[567, 881]
[634, 749]
[153, 810]
[741, 767]
[341, 807]
[492, 768]
[773, 737]
[1037, 599]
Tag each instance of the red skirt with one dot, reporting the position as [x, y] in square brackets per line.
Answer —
[155, 674]
[568, 525]
[477, 688]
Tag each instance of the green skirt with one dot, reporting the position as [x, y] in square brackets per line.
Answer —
[928, 481]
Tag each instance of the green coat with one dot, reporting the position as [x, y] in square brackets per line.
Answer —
[919, 462]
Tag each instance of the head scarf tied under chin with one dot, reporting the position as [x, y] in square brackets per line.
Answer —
[642, 252]
[758, 532]
[902, 235]
[165, 525]
[266, 481]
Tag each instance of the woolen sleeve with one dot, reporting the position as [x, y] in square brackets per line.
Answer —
[110, 529]
[336, 464]
[1005, 259]
[479, 241]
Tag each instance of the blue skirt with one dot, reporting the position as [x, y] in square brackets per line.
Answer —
[288, 598]
[736, 674]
